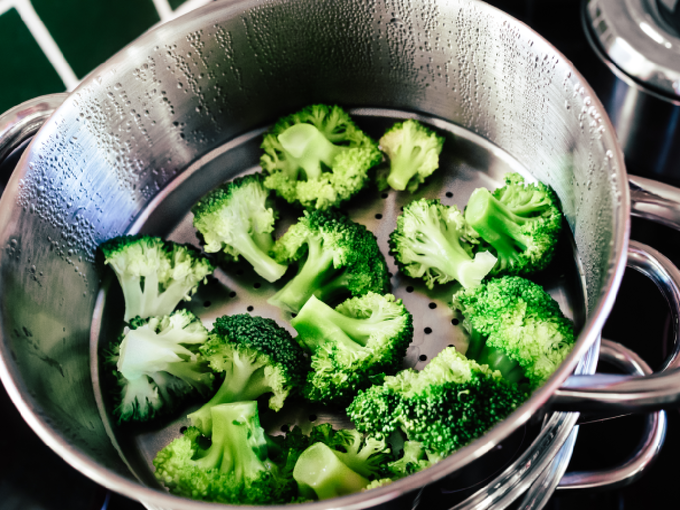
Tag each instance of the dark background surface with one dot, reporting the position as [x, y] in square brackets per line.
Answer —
[32, 477]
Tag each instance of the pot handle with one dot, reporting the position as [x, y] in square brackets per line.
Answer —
[655, 201]
[648, 448]
[21, 122]
[617, 394]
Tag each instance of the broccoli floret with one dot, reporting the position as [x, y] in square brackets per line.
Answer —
[377, 483]
[317, 157]
[337, 258]
[366, 455]
[234, 468]
[234, 219]
[340, 462]
[256, 356]
[414, 458]
[433, 241]
[413, 150]
[515, 327]
[155, 275]
[158, 367]
[451, 402]
[353, 346]
[522, 223]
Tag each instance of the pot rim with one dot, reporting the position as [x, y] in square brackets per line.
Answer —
[618, 72]
[588, 335]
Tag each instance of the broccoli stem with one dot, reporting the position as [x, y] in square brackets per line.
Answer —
[496, 224]
[319, 473]
[498, 360]
[140, 295]
[313, 274]
[317, 323]
[238, 443]
[404, 164]
[245, 381]
[484, 354]
[189, 373]
[308, 148]
[262, 263]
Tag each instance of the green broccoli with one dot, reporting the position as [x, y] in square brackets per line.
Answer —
[340, 462]
[413, 458]
[234, 219]
[364, 454]
[320, 474]
[353, 346]
[158, 367]
[317, 157]
[256, 357]
[155, 275]
[433, 241]
[448, 404]
[522, 223]
[233, 467]
[337, 258]
[515, 327]
[413, 150]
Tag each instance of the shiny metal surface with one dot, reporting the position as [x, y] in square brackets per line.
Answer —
[646, 119]
[635, 36]
[617, 394]
[655, 201]
[554, 477]
[649, 445]
[125, 138]
[23, 121]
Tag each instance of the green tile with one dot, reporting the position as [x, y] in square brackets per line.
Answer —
[175, 3]
[26, 72]
[90, 31]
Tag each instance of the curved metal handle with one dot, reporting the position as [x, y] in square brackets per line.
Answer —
[655, 201]
[21, 122]
[647, 449]
[624, 394]
[553, 476]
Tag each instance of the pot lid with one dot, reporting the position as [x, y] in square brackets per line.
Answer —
[641, 37]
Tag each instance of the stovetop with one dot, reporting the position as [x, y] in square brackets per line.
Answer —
[32, 477]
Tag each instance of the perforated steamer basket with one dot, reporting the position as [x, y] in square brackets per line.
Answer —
[182, 109]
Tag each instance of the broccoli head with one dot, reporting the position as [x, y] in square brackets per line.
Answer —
[256, 356]
[317, 157]
[448, 404]
[352, 346]
[349, 460]
[158, 367]
[413, 150]
[521, 221]
[413, 458]
[433, 241]
[516, 327]
[337, 258]
[232, 467]
[234, 219]
[155, 275]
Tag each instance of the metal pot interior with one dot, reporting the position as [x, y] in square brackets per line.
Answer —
[180, 110]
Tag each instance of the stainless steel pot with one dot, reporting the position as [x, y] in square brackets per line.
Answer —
[637, 43]
[149, 130]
